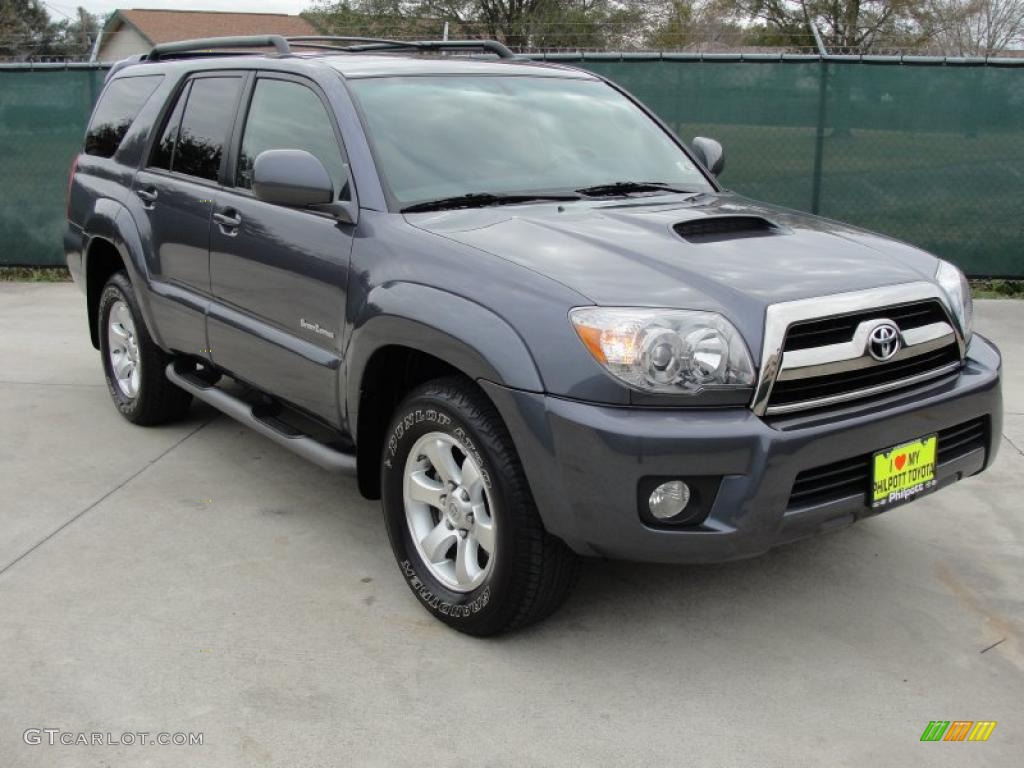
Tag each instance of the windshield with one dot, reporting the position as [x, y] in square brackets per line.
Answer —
[444, 136]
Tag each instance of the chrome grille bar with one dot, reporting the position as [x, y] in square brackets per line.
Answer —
[851, 355]
[858, 394]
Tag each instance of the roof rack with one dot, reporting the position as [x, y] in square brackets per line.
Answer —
[283, 45]
[366, 44]
[208, 44]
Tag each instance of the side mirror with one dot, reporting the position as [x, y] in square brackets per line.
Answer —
[291, 177]
[296, 178]
[710, 153]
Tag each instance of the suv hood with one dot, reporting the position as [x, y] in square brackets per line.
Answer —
[628, 252]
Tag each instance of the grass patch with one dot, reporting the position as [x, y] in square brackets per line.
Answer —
[997, 289]
[34, 275]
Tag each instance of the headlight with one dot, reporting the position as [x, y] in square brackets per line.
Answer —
[665, 350]
[958, 292]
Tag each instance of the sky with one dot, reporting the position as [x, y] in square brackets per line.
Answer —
[60, 8]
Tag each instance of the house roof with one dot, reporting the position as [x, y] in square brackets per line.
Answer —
[167, 26]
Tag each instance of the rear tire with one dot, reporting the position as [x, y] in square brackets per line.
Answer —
[462, 521]
[133, 364]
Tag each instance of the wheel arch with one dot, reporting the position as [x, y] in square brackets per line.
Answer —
[414, 333]
[112, 243]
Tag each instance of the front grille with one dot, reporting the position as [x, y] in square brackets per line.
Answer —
[835, 330]
[852, 477]
[798, 390]
[868, 378]
[831, 482]
[960, 440]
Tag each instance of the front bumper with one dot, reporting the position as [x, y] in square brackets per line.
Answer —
[584, 462]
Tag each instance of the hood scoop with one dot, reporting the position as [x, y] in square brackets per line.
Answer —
[714, 229]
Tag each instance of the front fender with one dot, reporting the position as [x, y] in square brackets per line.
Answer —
[462, 333]
[112, 223]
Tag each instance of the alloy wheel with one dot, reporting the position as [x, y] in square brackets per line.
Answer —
[449, 512]
[123, 349]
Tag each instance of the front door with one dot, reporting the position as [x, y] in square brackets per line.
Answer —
[172, 199]
[279, 275]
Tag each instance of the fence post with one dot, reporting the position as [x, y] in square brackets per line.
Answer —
[819, 138]
[91, 74]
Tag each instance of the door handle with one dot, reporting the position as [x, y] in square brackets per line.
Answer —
[148, 197]
[228, 219]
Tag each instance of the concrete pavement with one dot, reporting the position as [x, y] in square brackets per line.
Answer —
[196, 578]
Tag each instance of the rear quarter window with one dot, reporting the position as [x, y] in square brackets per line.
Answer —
[115, 112]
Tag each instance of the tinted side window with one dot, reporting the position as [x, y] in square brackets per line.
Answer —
[205, 126]
[163, 152]
[286, 115]
[117, 108]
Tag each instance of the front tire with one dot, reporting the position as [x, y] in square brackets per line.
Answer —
[460, 516]
[133, 364]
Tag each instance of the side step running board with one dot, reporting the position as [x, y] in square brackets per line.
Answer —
[283, 435]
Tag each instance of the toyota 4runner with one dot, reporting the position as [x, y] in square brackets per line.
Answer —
[515, 306]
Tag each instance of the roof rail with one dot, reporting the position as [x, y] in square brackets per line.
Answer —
[487, 46]
[366, 44]
[341, 39]
[203, 45]
[119, 65]
[283, 45]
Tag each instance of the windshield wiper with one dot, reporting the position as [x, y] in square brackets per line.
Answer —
[481, 200]
[628, 187]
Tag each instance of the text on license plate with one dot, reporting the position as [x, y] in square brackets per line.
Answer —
[903, 472]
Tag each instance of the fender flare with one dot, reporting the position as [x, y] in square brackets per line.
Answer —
[466, 335]
[112, 222]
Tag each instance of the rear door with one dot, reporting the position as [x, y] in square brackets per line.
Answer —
[279, 275]
[173, 196]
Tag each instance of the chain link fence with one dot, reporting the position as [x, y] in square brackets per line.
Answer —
[927, 151]
[930, 151]
[43, 113]
[646, 30]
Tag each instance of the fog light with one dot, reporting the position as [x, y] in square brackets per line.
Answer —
[669, 499]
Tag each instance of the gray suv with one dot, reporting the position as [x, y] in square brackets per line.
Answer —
[508, 300]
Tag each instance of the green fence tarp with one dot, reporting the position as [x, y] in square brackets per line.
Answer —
[43, 114]
[932, 154]
[928, 152]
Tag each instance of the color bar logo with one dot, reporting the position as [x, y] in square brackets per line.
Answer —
[958, 730]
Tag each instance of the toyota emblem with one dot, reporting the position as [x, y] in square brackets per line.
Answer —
[884, 341]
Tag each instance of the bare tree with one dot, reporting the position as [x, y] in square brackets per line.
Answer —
[856, 24]
[976, 27]
[692, 25]
[548, 24]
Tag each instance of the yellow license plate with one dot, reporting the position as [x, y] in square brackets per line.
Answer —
[903, 472]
